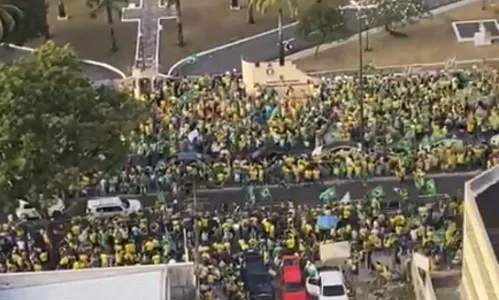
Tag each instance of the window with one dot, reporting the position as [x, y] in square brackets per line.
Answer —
[333, 290]
[290, 262]
[314, 281]
[259, 279]
[109, 209]
[293, 287]
[125, 202]
[263, 296]
[28, 206]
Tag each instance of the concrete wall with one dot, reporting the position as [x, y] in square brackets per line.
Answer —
[148, 286]
[272, 74]
[421, 278]
[480, 276]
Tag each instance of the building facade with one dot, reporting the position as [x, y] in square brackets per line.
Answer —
[480, 272]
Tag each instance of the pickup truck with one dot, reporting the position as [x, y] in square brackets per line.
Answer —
[256, 278]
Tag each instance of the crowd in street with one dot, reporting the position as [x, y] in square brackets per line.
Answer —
[435, 122]
[157, 235]
[266, 138]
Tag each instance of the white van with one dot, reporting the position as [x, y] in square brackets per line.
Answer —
[112, 206]
[329, 285]
[26, 211]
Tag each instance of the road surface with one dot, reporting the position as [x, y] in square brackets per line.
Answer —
[93, 72]
[263, 48]
[452, 184]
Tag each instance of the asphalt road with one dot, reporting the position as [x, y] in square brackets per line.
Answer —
[452, 184]
[263, 48]
[260, 49]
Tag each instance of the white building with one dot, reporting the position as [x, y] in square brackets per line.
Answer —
[154, 282]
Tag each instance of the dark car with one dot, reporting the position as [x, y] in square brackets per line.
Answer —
[256, 277]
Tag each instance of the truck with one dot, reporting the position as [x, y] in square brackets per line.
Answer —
[255, 276]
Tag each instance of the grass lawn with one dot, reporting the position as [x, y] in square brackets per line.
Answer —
[431, 40]
[207, 24]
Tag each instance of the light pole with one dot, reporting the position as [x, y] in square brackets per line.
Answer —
[194, 157]
[196, 234]
[281, 38]
[359, 7]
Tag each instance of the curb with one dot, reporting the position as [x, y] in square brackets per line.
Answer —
[87, 61]
[324, 47]
[399, 69]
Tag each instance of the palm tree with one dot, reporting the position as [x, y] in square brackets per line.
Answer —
[62, 10]
[262, 6]
[10, 15]
[109, 6]
[180, 32]
[251, 7]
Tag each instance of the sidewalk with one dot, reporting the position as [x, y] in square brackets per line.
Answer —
[309, 53]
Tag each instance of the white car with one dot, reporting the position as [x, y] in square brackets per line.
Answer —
[112, 206]
[329, 285]
[26, 211]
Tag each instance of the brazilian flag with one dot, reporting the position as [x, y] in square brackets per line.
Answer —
[160, 200]
[328, 196]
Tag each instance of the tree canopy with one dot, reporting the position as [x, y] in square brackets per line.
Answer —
[33, 23]
[262, 6]
[322, 24]
[394, 13]
[55, 128]
[10, 17]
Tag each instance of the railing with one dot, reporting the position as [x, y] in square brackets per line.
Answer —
[421, 278]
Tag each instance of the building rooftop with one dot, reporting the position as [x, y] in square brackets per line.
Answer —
[488, 206]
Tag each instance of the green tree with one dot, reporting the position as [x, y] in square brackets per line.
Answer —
[251, 9]
[180, 30]
[56, 129]
[394, 14]
[262, 6]
[61, 10]
[322, 24]
[33, 24]
[10, 16]
[110, 7]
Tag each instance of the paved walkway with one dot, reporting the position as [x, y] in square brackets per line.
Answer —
[261, 47]
[148, 14]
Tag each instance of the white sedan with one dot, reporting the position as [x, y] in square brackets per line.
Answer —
[329, 285]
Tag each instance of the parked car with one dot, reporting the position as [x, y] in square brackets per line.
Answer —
[112, 206]
[256, 277]
[26, 211]
[292, 287]
[290, 260]
[329, 285]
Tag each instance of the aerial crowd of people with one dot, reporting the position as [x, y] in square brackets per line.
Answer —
[157, 235]
[210, 128]
[433, 122]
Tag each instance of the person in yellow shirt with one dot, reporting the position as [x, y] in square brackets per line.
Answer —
[156, 258]
[77, 265]
[149, 246]
[104, 261]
